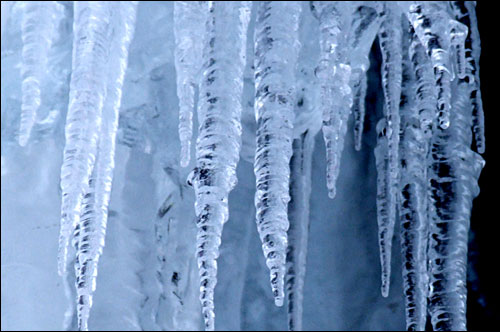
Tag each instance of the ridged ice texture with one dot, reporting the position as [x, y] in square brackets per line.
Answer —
[298, 233]
[276, 52]
[91, 44]
[439, 33]
[453, 172]
[465, 13]
[334, 74]
[390, 39]
[218, 143]
[189, 30]
[364, 26]
[413, 199]
[91, 230]
[39, 24]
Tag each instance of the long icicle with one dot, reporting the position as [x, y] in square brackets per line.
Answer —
[364, 27]
[454, 171]
[39, 28]
[298, 211]
[93, 221]
[413, 200]
[390, 40]
[333, 73]
[92, 33]
[218, 143]
[189, 29]
[276, 52]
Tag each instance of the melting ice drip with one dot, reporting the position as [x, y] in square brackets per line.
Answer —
[426, 170]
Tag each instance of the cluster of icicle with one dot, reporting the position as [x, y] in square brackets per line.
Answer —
[427, 172]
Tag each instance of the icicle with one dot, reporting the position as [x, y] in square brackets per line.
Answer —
[438, 32]
[92, 225]
[465, 12]
[333, 73]
[413, 197]
[390, 44]
[39, 24]
[454, 172]
[218, 143]
[298, 210]
[364, 27]
[276, 52]
[91, 45]
[189, 30]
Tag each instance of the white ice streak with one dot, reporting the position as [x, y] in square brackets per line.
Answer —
[218, 143]
[91, 44]
[189, 30]
[276, 52]
[39, 25]
[390, 39]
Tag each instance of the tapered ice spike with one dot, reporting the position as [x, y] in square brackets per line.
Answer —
[189, 40]
[219, 137]
[91, 47]
[93, 221]
[276, 52]
[334, 74]
[390, 40]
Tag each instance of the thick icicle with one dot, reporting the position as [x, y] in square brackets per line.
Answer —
[413, 197]
[218, 143]
[92, 32]
[438, 33]
[276, 52]
[298, 211]
[92, 226]
[390, 40]
[364, 27]
[465, 12]
[189, 30]
[333, 73]
[453, 173]
[39, 24]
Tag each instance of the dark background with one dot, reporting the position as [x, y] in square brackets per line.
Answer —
[483, 276]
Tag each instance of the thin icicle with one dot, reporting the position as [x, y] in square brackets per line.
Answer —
[454, 172]
[218, 143]
[438, 33]
[93, 221]
[390, 40]
[358, 108]
[364, 27]
[333, 73]
[92, 30]
[465, 12]
[276, 52]
[413, 197]
[298, 210]
[189, 30]
[39, 28]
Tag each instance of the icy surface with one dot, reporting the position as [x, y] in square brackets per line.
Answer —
[98, 109]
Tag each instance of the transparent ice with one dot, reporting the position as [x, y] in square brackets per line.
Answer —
[98, 105]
